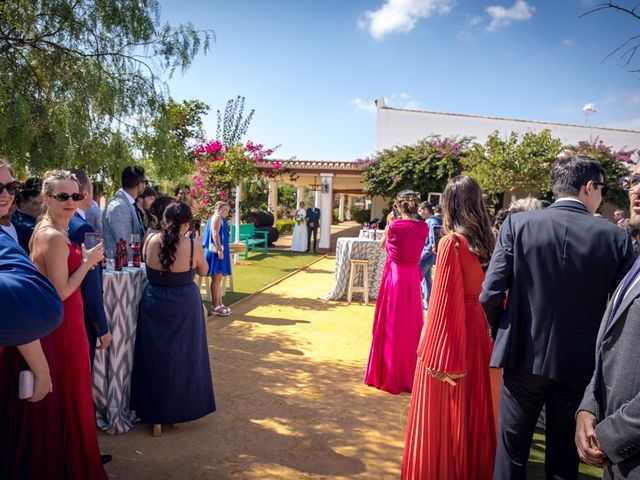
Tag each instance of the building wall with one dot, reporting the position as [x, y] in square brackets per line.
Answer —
[405, 127]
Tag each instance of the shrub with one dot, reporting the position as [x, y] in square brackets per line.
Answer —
[285, 227]
[361, 215]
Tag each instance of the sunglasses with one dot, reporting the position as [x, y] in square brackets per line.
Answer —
[63, 197]
[604, 188]
[12, 188]
[630, 182]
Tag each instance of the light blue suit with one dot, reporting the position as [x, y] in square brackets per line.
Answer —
[120, 220]
[428, 259]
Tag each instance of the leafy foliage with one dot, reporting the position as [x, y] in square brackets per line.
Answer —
[235, 124]
[505, 165]
[75, 73]
[616, 163]
[424, 167]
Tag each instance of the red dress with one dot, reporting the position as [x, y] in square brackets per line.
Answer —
[399, 318]
[451, 430]
[55, 438]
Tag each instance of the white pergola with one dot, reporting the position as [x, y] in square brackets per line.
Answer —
[327, 180]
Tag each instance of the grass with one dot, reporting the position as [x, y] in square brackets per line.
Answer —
[535, 467]
[261, 270]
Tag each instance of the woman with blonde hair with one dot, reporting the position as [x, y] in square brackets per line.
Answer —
[65, 264]
[451, 430]
[216, 246]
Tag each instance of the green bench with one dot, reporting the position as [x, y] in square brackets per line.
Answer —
[248, 233]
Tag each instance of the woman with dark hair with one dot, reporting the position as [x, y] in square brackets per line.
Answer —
[451, 429]
[171, 380]
[398, 318]
[153, 218]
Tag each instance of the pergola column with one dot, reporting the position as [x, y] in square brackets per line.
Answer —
[348, 212]
[273, 198]
[299, 196]
[341, 208]
[326, 210]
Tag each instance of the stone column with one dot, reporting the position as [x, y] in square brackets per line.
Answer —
[316, 199]
[326, 211]
[348, 212]
[273, 198]
[300, 197]
[341, 208]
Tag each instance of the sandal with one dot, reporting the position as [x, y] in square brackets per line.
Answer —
[221, 311]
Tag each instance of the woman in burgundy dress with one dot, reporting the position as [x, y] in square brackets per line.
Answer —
[451, 430]
[398, 318]
[56, 438]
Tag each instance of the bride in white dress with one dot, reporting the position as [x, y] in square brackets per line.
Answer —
[299, 240]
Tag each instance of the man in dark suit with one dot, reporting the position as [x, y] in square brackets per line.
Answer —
[607, 426]
[29, 204]
[313, 222]
[559, 266]
[95, 319]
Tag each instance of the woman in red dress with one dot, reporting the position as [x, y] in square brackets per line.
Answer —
[398, 319]
[451, 429]
[67, 418]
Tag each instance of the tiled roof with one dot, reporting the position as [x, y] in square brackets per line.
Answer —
[347, 166]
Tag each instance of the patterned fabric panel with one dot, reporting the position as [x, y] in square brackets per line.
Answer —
[112, 367]
[357, 249]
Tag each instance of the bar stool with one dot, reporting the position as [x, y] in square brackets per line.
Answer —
[364, 264]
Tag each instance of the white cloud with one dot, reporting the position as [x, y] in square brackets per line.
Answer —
[568, 42]
[401, 16]
[502, 16]
[471, 24]
[363, 105]
[396, 100]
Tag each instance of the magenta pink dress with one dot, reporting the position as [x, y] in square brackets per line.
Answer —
[398, 318]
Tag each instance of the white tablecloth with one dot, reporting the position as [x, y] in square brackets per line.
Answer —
[112, 367]
[348, 248]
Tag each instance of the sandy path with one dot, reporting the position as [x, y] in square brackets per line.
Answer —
[287, 372]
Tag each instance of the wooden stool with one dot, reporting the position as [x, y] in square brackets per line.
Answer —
[365, 280]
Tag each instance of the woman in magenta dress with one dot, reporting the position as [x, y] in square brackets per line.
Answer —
[398, 317]
[451, 429]
[56, 438]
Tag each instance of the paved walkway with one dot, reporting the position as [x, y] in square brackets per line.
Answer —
[287, 372]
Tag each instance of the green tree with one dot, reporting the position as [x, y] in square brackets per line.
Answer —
[424, 167]
[76, 74]
[233, 125]
[616, 163]
[515, 163]
[170, 141]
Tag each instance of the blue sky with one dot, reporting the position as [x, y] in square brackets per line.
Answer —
[312, 68]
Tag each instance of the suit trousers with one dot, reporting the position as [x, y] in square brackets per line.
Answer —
[92, 337]
[521, 399]
[312, 231]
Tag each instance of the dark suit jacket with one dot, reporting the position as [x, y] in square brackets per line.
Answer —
[618, 430]
[313, 218]
[24, 228]
[91, 288]
[559, 266]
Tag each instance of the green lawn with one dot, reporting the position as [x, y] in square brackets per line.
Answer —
[535, 467]
[261, 270]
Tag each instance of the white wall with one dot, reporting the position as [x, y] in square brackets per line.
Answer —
[406, 127]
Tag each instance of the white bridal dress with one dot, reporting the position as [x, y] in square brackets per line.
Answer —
[299, 240]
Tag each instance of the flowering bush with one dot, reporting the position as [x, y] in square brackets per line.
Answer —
[219, 168]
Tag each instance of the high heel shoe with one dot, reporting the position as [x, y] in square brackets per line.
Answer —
[157, 430]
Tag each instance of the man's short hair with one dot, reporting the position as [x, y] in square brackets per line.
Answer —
[148, 192]
[437, 209]
[25, 195]
[132, 176]
[570, 174]
[83, 178]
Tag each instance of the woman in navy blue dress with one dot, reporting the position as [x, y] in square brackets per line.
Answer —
[171, 380]
[216, 246]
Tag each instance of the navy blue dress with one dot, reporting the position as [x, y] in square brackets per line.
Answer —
[171, 380]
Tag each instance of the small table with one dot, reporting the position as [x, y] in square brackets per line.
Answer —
[112, 367]
[348, 248]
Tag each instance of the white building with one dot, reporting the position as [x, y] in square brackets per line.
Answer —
[395, 127]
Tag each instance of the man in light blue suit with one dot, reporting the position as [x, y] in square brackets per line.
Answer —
[119, 219]
[428, 257]
[95, 319]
